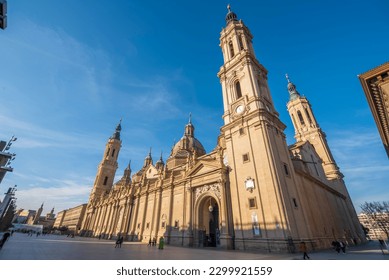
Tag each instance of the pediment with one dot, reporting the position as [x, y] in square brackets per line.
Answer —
[151, 172]
[204, 167]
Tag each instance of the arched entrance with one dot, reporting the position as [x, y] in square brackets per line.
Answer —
[208, 223]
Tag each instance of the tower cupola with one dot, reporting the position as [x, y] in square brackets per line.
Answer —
[189, 128]
[116, 134]
[231, 16]
[148, 159]
[160, 164]
[293, 93]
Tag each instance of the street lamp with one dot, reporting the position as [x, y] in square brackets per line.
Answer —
[3, 14]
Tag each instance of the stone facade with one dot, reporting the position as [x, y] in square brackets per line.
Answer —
[375, 84]
[252, 192]
[71, 218]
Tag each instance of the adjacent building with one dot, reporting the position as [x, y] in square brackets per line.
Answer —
[376, 231]
[375, 84]
[71, 218]
[250, 192]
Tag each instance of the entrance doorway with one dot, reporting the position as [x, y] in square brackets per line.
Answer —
[209, 233]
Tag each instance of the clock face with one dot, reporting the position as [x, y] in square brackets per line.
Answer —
[239, 109]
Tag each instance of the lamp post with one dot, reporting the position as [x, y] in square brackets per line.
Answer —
[3, 14]
[6, 157]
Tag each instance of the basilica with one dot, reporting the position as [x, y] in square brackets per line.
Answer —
[251, 192]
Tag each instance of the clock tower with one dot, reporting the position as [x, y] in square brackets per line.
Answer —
[108, 165]
[261, 177]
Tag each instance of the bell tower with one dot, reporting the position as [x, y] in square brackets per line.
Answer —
[261, 177]
[243, 78]
[307, 129]
[108, 165]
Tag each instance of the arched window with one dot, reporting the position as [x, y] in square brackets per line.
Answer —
[231, 49]
[113, 152]
[308, 115]
[105, 180]
[238, 90]
[241, 47]
[300, 118]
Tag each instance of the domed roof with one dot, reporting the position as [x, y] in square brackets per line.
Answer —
[231, 16]
[293, 93]
[188, 143]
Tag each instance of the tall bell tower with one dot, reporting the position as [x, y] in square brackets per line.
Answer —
[108, 165]
[261, 177]
[307, 129]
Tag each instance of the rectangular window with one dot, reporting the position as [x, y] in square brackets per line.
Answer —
[105, 180]
[242, 131]
[139, 226]
[163, 225]
[252, 203]
[246, 157]
[147, 225]
[286, 169]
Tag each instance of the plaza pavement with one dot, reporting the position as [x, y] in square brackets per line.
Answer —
[57, 247]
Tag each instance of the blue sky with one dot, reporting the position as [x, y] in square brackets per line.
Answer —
[69, 70]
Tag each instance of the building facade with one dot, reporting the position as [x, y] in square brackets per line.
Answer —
[251, 192]
[376, 231]
[375, 84]
[71, 218]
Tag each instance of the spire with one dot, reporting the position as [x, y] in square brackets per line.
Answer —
[127, 171]
[189, 128]
[116, 134]
[160, 162]
[231, 16]
[148, 159]
[293, 93]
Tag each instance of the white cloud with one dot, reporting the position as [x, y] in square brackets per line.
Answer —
[361, 158]
[67, 196]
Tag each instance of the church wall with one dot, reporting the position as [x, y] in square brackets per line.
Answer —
[322, 206]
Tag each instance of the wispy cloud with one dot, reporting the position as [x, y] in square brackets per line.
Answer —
[361, 158]
[70, 194]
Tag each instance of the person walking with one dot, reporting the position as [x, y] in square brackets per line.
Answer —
[303, 249]
[342, 247]
[119, 241]
[4, 239]
[161, 243]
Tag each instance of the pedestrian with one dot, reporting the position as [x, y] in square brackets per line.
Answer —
[342, 247]
[303, 249]
[161, 243]
[149, 242]
[119, 242]
[336, 245]
[154, 241]
[4, 239]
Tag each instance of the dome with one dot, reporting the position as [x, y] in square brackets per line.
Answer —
[231, 16]
[293, 93]
[188, 143]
